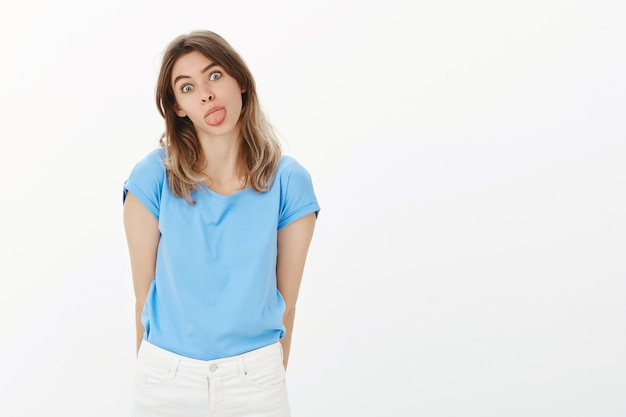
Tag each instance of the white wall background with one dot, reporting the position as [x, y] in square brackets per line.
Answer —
[469, 158]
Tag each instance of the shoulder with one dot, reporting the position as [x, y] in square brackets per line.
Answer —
[292, 175]
[149, 172]
[288, 166]
[146, 180]
[296, 191]
[150, 165]
[153, 160]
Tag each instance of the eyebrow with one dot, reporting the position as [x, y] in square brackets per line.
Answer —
[208, 67]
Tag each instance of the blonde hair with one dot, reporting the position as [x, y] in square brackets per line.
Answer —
[259, 150]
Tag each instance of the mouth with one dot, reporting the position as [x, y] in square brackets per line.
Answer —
[214, 116]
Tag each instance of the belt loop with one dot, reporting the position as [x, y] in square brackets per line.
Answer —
[176, 368]
[242, 367]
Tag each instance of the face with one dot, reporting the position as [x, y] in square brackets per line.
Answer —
[206, 94]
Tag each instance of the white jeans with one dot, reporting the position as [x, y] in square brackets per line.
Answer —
[170, 385]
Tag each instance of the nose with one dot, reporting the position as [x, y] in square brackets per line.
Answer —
[207, 95]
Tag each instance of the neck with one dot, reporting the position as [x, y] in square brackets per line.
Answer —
[221, 155]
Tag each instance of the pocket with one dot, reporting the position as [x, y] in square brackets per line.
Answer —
[150, 376]
[266, 373]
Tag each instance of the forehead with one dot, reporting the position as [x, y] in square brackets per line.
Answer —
[190, 64]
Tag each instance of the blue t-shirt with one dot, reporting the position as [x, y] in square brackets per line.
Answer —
[214, 294]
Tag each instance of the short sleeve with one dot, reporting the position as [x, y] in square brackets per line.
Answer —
[297, 194]
[146, 181]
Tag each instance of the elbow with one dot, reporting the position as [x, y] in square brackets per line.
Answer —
[139, 304]
[290, 311]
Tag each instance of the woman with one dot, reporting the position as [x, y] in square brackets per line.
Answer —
[218, 225]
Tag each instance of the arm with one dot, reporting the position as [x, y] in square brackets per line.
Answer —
[293, 246]
[142, 235]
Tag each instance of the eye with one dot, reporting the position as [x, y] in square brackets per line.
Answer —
[186, 88]
[215, 75]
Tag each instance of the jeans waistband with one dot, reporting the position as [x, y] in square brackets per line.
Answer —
[183, 364]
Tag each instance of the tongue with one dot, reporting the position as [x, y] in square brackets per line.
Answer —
[216, 117]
